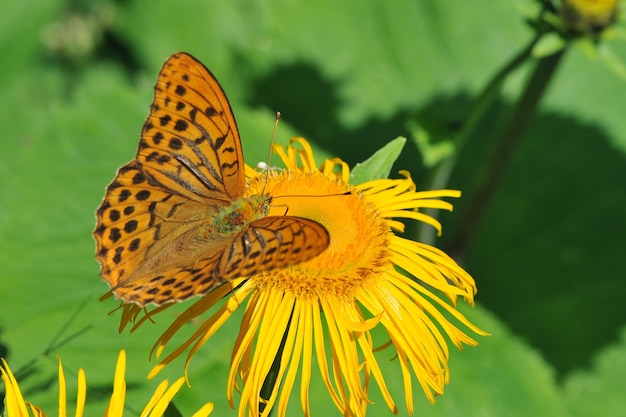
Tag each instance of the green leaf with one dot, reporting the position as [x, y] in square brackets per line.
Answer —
[599, 391]
[613, 62]
[549, 44]
[433, 151]
[378, 165]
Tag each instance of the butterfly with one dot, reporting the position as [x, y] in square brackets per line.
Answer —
[174, 223]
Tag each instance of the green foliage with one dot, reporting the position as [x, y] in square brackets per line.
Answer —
[599, 390]
[548, 258]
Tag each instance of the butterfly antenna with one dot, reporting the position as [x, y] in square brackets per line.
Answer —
[269, 157]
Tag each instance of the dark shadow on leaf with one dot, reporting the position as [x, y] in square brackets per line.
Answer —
[310, 103]
[548, 257]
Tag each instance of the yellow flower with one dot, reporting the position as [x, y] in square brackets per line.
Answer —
[590, 14]
[327, 307]
[16, 406]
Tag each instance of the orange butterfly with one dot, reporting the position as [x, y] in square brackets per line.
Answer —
[174, 223]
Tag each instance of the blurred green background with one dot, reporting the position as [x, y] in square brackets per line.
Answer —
[76, 81]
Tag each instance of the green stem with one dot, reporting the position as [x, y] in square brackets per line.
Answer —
[272, 375]
[491, 92]
[442, 172]
[507, 143]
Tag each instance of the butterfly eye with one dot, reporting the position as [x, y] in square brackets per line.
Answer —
[265, 208]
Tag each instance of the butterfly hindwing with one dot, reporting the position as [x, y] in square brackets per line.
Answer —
[272, 242]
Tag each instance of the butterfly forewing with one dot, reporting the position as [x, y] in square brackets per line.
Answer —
[273, 242]
[190, 141]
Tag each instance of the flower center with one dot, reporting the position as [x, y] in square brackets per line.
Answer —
[359, 238]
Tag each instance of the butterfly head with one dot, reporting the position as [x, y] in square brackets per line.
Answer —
[264, 207]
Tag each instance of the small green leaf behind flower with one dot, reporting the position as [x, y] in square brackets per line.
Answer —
[435, 147]
[549, 44]
[378, 166]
